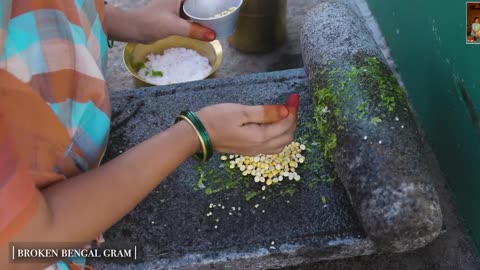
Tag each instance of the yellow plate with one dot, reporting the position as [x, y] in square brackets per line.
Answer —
[135, 54]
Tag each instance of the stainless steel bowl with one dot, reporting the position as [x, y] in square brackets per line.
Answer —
[203, 12]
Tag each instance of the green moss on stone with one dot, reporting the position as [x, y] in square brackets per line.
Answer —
[365, 91]
[327, 114]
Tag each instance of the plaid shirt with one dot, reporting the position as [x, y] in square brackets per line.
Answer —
[54, 104]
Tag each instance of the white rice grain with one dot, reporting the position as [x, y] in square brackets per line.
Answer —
[176, 65]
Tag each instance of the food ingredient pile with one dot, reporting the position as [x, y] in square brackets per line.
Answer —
[270, 169]
[176, 65]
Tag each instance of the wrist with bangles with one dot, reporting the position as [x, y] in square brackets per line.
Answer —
[192, 119]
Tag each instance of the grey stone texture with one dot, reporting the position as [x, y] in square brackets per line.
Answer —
[383, 166]
[172, 225]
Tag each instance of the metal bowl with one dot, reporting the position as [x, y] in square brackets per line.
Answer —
[204, 11]
[135, 54]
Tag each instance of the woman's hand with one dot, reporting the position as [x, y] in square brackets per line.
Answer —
[251, 130]
[161, 19]
[157, 20]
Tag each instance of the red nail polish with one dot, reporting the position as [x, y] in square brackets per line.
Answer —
[210, 35]
[293, 102]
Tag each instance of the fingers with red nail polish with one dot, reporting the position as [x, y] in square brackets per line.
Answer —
[293, 103]
[161, 19]
[250, 130]
[202, 33]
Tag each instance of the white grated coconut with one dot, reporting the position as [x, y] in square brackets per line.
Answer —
[223, 13]
[176, 65]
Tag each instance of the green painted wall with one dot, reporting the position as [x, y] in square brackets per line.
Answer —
[428, 42]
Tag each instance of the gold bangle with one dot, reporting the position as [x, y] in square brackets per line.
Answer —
[204, 148]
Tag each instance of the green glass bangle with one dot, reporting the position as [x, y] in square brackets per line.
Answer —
[202, 133]
[199, 156]
[202, 130]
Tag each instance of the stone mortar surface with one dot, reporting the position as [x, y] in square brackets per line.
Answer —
[171, 224]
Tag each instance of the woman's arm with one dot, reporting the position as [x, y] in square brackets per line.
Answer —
[82, 207]
[124, 24]
[157, 20]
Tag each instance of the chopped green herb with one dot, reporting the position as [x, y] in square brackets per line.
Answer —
[375, 120]
[139, 66]
[156, 73]
[289, 191]
[324, 200]
[250, 195]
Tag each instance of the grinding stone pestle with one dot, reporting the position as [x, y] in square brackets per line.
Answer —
[369, 131]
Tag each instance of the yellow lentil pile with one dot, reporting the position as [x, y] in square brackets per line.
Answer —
[270, 169]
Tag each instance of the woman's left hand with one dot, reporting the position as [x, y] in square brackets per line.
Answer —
[157, 20]
[160, 19]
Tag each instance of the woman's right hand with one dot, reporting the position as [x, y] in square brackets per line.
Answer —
[251, 130]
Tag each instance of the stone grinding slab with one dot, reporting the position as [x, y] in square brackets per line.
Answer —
[171, 226]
